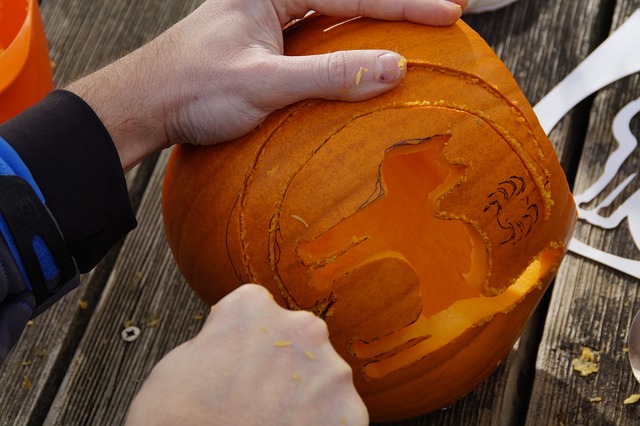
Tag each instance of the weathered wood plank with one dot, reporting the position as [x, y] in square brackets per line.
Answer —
[145, 290]
[592, 306]
[82, 36]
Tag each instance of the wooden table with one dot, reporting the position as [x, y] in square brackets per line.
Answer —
[73, 368]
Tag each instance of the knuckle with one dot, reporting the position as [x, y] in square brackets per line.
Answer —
[243, 301]
[316, 324]
[308, 326]
[343, 370]
[337, 69]
[255, 289]
[310, 320]
[255, 292]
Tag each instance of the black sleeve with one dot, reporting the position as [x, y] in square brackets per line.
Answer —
[74, 162]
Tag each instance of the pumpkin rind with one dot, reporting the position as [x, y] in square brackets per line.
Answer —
[423, 225]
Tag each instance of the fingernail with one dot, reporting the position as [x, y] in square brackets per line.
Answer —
[453, 3]
[390, 67]
[454, 6]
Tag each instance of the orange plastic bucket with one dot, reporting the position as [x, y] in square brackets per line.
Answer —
[25, 70]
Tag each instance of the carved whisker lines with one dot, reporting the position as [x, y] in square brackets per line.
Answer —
[519, 223]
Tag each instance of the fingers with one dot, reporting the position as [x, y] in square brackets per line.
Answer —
[345, 75]
[429, 12]
[247, 301]
[295, 360]
[253, 303]
[256, 363]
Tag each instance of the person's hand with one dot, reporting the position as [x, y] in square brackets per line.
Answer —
[220, 72]
[253, 363]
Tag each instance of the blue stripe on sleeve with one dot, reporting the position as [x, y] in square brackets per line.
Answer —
[12, 164]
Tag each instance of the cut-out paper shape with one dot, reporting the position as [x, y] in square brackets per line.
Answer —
[629, 209]
[610, 62]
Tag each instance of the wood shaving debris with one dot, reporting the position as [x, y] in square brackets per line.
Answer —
[298, 218]
[265, 330]
[310, 355]
[83, 305]
[632, 399]
[587, 363]
[282, 343]
[273, 171]
[26, 383]
[361, 71]
[137, 277]
[595, 399]
[296, 377]
[152, 321]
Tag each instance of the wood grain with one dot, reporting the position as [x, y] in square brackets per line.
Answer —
[145, 290]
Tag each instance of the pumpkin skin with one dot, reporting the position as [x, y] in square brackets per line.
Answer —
[423, 225]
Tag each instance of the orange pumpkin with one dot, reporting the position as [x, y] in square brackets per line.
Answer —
[423, 225]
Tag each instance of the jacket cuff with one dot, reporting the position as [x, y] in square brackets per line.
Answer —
[76, 166]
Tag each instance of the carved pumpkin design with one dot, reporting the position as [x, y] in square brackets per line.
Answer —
[423, 225]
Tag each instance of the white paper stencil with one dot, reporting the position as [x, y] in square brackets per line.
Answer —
[615, 58]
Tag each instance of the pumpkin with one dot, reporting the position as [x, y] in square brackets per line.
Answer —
[423, 225]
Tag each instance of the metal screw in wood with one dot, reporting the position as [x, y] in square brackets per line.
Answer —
[130, 333]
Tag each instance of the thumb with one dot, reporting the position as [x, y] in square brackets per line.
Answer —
[352, 75]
